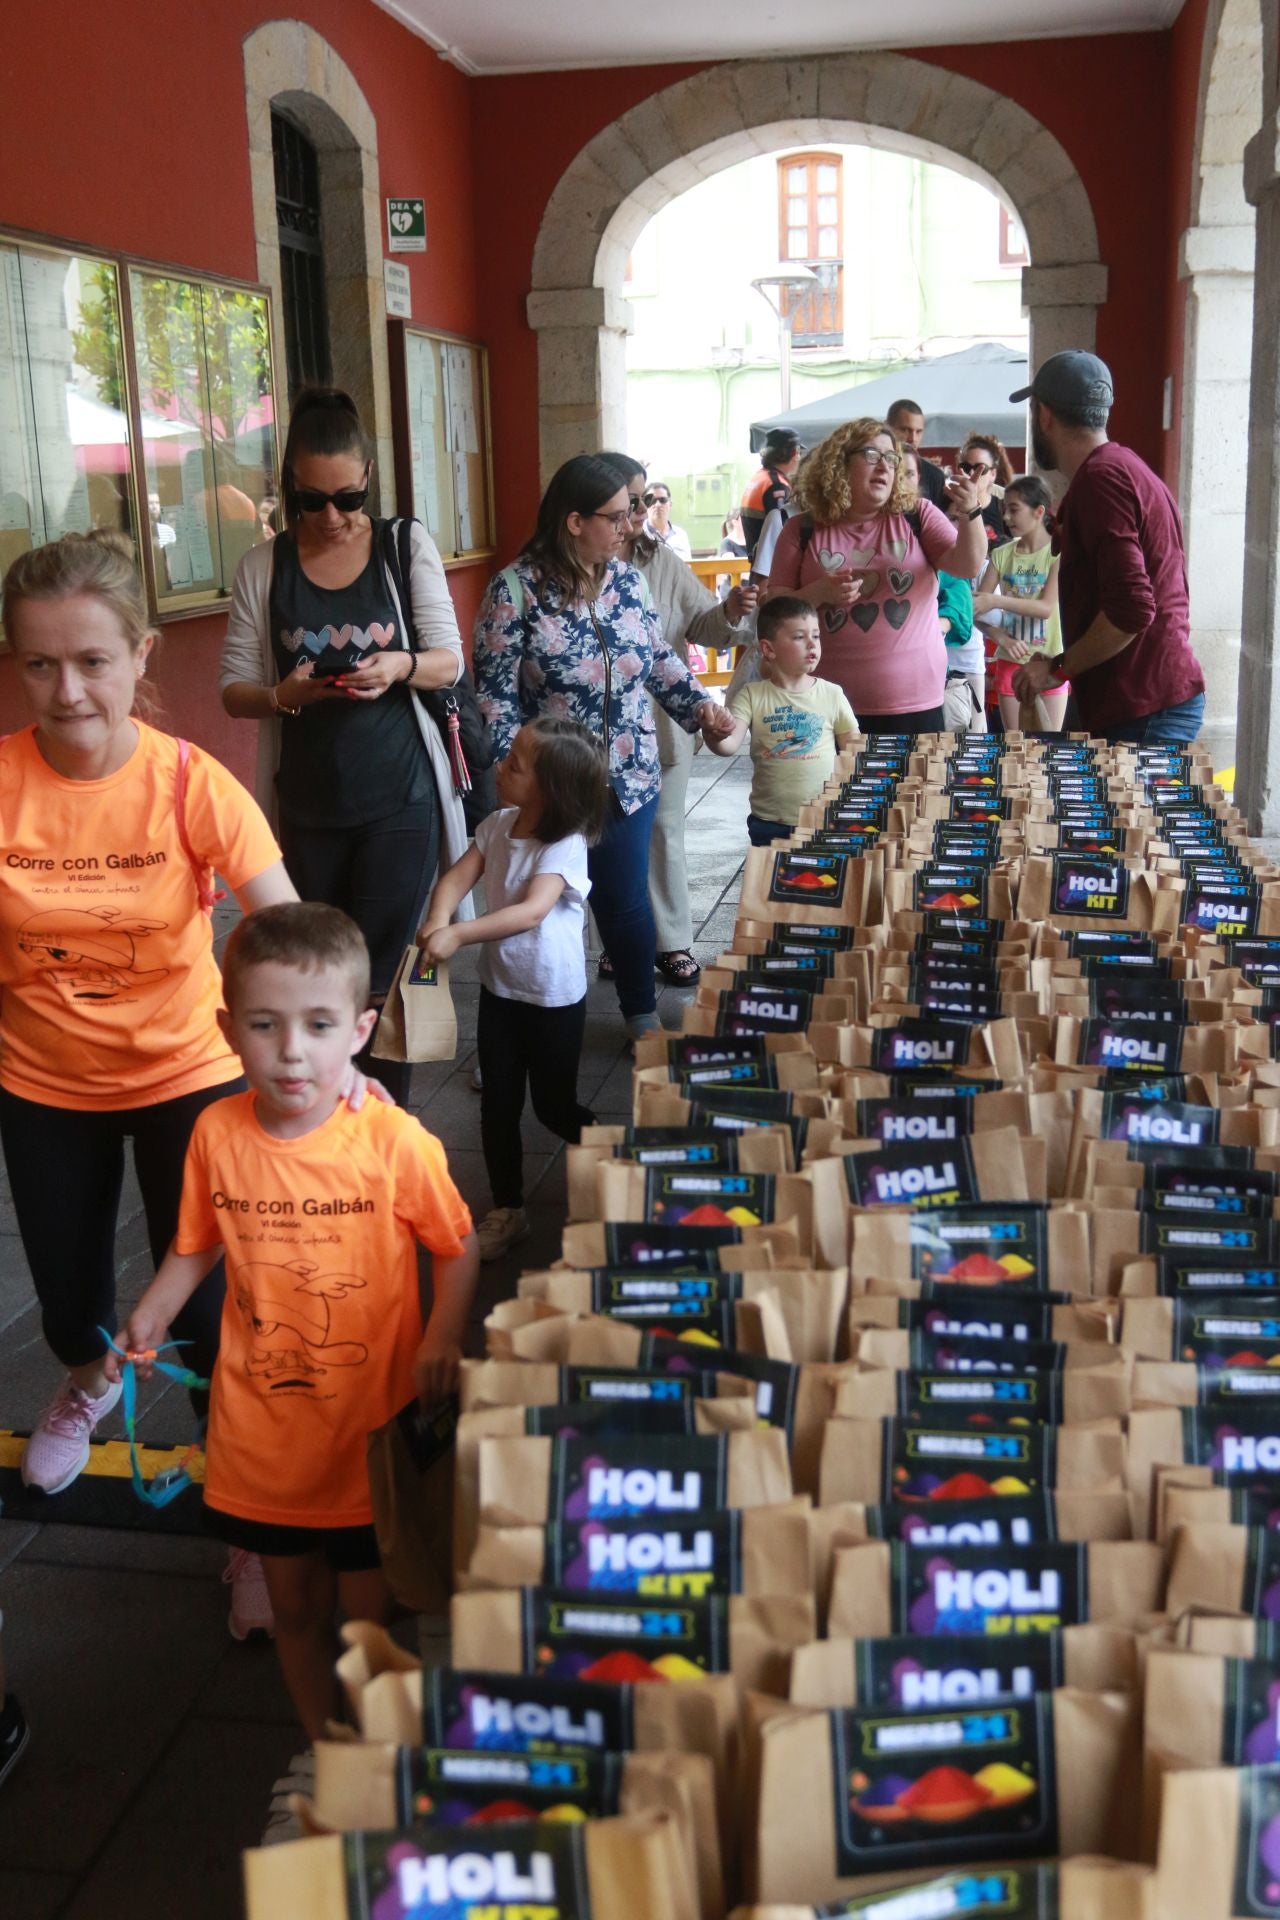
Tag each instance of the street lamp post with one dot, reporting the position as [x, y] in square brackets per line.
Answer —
[793, 275]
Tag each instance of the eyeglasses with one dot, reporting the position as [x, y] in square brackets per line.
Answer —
[618, 521]
[875, 456]
[657, 499]
[346, 500]
[974, 468]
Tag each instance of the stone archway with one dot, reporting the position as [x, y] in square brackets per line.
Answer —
[729, 113]
[1258, 713]
[286, 63]
[1217, 264]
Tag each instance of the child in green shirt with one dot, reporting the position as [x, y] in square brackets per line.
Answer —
[795, 723]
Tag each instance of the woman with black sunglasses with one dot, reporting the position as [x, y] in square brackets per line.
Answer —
[317, 650]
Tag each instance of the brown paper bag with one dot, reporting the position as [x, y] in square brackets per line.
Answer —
[1130, 897]
[882, 1587]
[1217, 1839]
[1052, 1242]
[732, 1414]
[1201, 1710]
[417, 1020]
[908, 1673]
[875, 1460]
[538, 1629]
[629, 1866]
[372, 1785]
[1225, 1569]
[517, 1383]
[528, 1481]
[825, 1778]
[630, 1243]
[798, 1401]
[990, 1523]
[1042, 1398]
[1002, 1319]
[757, 1551]
[411, 1480]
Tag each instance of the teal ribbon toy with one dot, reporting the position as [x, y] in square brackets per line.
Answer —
[166, 1486]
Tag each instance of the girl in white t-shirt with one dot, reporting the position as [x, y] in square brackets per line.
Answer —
[552, 790]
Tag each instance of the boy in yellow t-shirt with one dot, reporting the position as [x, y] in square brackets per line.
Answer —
[795, 723]
[320, 1211]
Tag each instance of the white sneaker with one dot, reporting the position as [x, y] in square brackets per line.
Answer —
[58, 1450]
[477, 1081]
[250, 1602]
[500, 1229]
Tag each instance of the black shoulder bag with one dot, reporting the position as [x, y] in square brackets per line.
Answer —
[468, 742]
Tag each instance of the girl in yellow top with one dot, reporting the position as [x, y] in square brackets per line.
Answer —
[109, 833]
[1017, 597]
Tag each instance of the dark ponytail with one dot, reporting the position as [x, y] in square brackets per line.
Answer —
[1033, 493]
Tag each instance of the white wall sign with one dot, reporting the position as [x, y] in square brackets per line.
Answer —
[395, 276]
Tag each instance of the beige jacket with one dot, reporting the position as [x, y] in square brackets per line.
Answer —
[689, 613]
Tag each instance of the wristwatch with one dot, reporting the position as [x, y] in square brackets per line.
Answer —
[975, 515]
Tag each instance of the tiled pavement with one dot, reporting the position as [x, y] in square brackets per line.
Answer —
[155, 1738]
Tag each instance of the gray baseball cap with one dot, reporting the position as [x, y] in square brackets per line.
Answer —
[1071, 381]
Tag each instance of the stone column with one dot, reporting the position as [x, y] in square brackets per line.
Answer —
[582, 335]
[1258, 713]
[1217, 264]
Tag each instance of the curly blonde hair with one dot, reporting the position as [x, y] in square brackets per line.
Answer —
[822, 483]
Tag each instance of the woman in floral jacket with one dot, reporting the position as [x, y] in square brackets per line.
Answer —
[571, 630]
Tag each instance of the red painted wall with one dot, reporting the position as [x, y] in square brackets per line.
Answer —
[1106, 100]
[139, 143]
[1186, 55]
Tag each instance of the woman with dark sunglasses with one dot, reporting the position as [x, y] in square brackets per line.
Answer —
[318, 652]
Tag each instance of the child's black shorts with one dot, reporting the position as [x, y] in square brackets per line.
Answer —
[346, 1549]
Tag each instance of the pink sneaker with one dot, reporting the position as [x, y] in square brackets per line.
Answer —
[250, 1602]
[58, 1449]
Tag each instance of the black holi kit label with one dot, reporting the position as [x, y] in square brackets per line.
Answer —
[502, 1872]
[1098, 888]
[634, 1476]
[1009, 1591]
[1163, 1123]
[1242, 1447]
[1235, 914]
[947, 1353]
[675, 1294]
[1121, 999]
[920, 1046]
[523, 1713]
[913, 1122]
[696, 1050]
[455, 1787]
[776, 1382]
[982, 1397]
[648, 1147]
[721, 1107]
[1227, 1276]
[914, 1788]
[1118, 1047]
[709, 1200]
[965, 891]
[670, 1557]
[600, 1418]
[946, 1463]
[811, 877]
[1251, 1714]
[917, 1672]
[770, 1009]
[1181, 1235]
[1245, 1183]
[982, 1524]
[640, 1243]
[987, 1244]
[581, 1637]
[727, 1073]
[587, 1385]
[1261, 1593]
[1221, 1333]
[912, 1176]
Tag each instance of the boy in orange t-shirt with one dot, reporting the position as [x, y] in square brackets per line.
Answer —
[319, 1211]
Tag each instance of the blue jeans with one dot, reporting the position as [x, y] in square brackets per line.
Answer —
[1171, 726]
[762, 833]
[619, 870]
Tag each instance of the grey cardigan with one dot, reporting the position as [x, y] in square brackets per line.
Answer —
[247, 656]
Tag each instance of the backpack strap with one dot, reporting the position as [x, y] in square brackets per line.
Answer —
[207, 894]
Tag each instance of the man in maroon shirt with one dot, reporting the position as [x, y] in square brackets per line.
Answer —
[1122, 573]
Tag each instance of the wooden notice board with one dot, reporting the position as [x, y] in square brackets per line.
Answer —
[440, 427]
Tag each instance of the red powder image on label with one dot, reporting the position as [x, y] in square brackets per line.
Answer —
[500, 1810]
[707, 1216]
[978, 1270]
[963, 1486]
[621, 1667]
[945, 1793]
[811, 882]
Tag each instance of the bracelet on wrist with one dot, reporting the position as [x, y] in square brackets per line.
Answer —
[278, 707]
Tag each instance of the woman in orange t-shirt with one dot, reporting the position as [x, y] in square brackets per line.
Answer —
[110, 832]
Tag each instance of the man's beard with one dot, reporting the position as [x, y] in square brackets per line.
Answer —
[1041, 451]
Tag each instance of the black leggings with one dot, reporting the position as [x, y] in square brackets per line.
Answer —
[380, 874]
[518, 1043]
[66, 1169]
